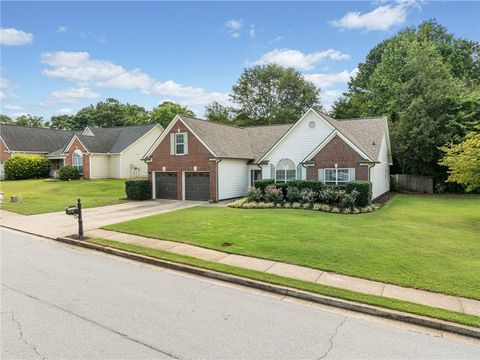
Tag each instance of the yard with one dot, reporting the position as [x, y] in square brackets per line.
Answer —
[41, 196]
[420, 241]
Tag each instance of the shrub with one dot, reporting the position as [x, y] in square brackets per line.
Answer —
[254, 194]
[273, 195]
[68, 173]
[364, 189]
[306, 184]
[262, 184]
[238, 203]
[293, 194]
[348, 200]
[335, 210]
[20, 167]
[308, 196]
[283, 188]
[330, 195]
[138, 189]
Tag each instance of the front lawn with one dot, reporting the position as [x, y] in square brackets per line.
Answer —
[41, 196]
[420, 241]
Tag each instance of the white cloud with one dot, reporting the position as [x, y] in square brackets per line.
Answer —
[329, 79]
[233, 27]
[299, 60]
[188, 95]
[252, 31]
[381, 18]
[73, 95]
[278, 38]
[328, 98]
[13, 36]
[12, 107]
[64, 111]
[62, 29]
[7, 89]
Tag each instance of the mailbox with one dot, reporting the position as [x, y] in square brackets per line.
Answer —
[76, 211]
[72, 210]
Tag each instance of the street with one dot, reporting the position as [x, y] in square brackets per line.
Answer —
[59, 301]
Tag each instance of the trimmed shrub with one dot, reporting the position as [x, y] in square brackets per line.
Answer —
[262, 184]
[293, 194]
[364, 189]
[138, 189]
[282, 187]
[308, 196]
[273, 194]
[68, 173]
[254, 194]
[348, 200]
[306, 184]
[330, 195]
[20, 167]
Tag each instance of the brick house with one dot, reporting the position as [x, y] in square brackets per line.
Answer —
[195, 159]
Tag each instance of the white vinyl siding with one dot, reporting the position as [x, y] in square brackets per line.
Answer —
[115, 166]
[99, 166]
[380, 173]
[233, 178]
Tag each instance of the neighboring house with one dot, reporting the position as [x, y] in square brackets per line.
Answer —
[196, 159]
[95, 152]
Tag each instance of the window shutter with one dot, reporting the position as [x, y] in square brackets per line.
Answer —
[352, 174]
[185, 141]
[272, 171]
[172, 144]
[321, 175]
[299, 172]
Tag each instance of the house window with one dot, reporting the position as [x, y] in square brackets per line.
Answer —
[77, 161]
[338, 176]
[285, 171]
[179, 144]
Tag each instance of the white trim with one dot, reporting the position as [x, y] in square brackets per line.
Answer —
[140, 138]
[183, 186]
[90, 166]
[4, 143]
[185, 146]
[291, 129]
[329, 138]
[387, 137]
[153, 185]
[87, 132]
[167, 131]
[336, 175]
[72, 140]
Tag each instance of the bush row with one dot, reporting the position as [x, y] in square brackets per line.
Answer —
[245, 204]
[21, 167]
[138, 189]
[68, 173]
[355, 193]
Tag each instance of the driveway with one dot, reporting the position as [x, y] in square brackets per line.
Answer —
[58, 224]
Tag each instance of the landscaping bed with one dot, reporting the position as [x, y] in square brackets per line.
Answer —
[420, 241]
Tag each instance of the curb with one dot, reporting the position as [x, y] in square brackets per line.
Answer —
[281, 290]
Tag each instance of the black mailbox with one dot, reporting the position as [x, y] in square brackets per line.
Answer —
[72, 210]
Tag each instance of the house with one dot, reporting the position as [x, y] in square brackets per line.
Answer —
[195, 159]
[95, 152]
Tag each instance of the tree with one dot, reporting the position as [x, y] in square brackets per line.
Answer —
[66, 122]
[268, 94]
[219, 113]
[29, 120]
[166, 111]
[4, 119]
[463, 161]
[426, 81]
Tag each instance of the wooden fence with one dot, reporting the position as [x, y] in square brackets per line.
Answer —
[412, 183]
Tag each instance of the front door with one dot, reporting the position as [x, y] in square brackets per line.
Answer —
[254, 176]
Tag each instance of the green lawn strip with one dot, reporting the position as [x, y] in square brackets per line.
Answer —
[417, 241]
[379, 301]
[41, 196]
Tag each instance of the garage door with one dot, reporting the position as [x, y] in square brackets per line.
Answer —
[197, 186]
[165, 185]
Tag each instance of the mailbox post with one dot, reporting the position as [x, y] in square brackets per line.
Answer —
[77, 214]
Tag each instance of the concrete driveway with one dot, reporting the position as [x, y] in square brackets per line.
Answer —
[58, 224]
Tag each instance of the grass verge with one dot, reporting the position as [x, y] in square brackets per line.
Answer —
[380, 301]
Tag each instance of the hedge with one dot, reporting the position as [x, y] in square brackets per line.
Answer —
[20, 167]
[68, 173]
[138, 189]
[364, 188]
[262, 184]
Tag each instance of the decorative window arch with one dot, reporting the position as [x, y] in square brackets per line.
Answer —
[77, 161]
[285, 171]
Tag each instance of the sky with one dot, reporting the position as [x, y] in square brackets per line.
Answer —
[57, 57]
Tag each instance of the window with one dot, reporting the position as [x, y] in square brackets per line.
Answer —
[285, 171]
[77, 161]
[338, 176]
[179, 144]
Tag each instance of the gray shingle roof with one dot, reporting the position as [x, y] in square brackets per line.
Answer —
[113, 140]
[234, 141]
[22, 138]
[365, 133]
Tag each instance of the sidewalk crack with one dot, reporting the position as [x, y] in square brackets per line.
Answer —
[333, 337]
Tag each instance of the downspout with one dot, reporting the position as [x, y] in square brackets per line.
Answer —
[216, 177]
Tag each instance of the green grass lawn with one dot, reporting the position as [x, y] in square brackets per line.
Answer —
[40, 196]
[420, 241]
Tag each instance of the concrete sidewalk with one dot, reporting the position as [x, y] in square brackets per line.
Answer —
[459, 304]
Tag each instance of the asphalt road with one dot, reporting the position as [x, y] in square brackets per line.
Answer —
[64, 302]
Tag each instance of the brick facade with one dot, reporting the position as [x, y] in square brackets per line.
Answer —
[4, 155]
[86, 158]
[198, 156]
[337, 152]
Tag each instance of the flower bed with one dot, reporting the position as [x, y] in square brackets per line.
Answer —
[352, 198]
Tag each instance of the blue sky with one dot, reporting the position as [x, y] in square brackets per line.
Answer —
[57, 57]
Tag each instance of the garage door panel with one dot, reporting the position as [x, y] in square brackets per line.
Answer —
[197, 186]
[166, 185]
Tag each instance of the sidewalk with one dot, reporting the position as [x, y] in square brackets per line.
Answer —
[459, 304]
